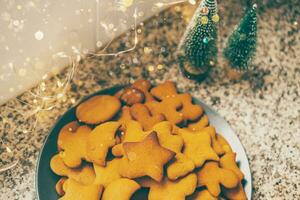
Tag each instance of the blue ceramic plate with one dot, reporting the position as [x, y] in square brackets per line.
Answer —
[46, 179]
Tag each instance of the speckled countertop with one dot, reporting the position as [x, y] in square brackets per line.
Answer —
[263, 108]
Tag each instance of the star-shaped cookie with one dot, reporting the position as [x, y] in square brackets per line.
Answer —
[145, 158]
[197, 146]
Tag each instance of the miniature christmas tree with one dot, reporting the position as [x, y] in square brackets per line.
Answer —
[198, 47]
[241, 44]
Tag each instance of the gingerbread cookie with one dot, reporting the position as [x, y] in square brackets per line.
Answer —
[83, 174]
[98, 109]
[145, 158]
[72, 141]
[76, 191]
[59, 186]
[120, 189]
[131, 96]
[125, 117]
[144, 86]
[141, 113]
[175, 190]
[197, 146]
[168, 89]
[215, 144]
[166, 138]
[167, 107]
[228, 162]
[202, 195]
[236, 193]
[135, 133]
[181, 166]
[200, 124]
[212, 176]
[107, 174]
[224, 144]
[100, 140]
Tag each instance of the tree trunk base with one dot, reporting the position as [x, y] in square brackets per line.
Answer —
[232, 73]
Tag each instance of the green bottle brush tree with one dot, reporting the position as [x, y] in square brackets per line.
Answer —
[241, 45]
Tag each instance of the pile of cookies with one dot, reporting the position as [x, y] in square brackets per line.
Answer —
[144, 142]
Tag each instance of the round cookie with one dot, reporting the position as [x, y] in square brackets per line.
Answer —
[98, 109]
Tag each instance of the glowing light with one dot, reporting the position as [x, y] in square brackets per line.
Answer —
[160, 67]
[150, 68]
[204, 20]
[39, 35]
[215, 18]
[22, 72]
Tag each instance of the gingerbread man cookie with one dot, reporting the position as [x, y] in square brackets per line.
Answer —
[200, 124]
[131, 96]
[144, 86]
[228, 162]
[202, 195]
[197, 147]
[188, 110]
[180, 167]
[100, 140]
[141, 113]
[72, 141]
[212, 176]
[236, 193]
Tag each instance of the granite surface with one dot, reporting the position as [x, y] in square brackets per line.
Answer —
[263, 107]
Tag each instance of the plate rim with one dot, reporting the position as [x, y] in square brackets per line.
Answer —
[118, 86]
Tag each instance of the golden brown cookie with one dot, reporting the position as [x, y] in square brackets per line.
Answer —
[142, 114]
[59, 186]
[83, 174]
[168, 89]
[197, 146]
[175, 190]
[100, 140]
[144, 86]
[224, 144]
[166, 138]
[109, 173]
[77, 191]
[200, 124]
[181, 166]
[215, 144]
[228, 162]
[131, 96]
[135, 133]
[202, 195]
[98, 109]
[167, 107]
[145, 158]
[236, 193]
[72, 141]
[124, 117]
[120, 189]
[212, 176]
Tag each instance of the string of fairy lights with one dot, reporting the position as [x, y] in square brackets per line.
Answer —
[43, 102]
